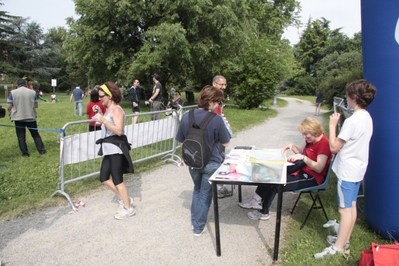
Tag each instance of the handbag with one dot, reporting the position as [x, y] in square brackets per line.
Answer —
[380, 255]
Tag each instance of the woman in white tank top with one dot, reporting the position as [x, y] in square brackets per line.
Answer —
[114, 162]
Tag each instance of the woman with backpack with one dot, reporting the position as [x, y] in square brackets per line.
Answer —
[216, 134]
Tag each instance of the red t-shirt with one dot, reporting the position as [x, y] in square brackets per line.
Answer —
[218, 110]
[90, 113]
[311, 151]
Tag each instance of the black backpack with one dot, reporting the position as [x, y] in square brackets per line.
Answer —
[195, 150]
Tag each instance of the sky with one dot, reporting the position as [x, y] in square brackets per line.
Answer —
[343, 14]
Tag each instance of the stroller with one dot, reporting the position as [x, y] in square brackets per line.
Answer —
[174, 106]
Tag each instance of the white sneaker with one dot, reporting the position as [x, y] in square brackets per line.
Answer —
[251, 204]
[330, 251]
[125, 213]
[257, 215]
[200, 234]
[330, 223]
[332, 239]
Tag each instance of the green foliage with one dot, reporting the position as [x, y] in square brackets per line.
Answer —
[335, 64]
[259, 71]
[6, 31]
[166, 51]
[336, 86]
[305, 85]
[255, 84]
[27, 51]
[328, 58]
[313, 39]
[185, 42]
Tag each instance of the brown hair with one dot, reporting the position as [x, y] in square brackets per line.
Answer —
[116, 93]
[312, 126]
[208, 95]
[362, 92]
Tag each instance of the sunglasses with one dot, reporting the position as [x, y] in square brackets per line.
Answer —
[102, 96]
[222, 84]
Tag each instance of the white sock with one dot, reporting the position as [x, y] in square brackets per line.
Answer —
[337, 249]
[257, 197]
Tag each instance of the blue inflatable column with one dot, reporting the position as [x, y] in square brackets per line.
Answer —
[380, 37]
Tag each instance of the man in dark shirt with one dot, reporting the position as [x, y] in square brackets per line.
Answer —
[156, 97]
[135, 99]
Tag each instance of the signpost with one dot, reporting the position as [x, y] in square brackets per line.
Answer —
[54, 84]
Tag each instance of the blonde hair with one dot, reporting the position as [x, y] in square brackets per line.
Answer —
[312, 126]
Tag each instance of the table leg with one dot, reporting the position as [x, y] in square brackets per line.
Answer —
[216, 212]
[239, 193]
[278, 222]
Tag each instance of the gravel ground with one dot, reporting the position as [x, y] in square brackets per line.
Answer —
[160, 233]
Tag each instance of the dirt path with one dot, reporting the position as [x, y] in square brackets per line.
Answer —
[160, 233]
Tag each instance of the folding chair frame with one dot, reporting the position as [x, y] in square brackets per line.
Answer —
[315, 195]
[316, 199]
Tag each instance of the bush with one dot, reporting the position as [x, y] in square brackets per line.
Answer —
[304, 85]
[336, 86]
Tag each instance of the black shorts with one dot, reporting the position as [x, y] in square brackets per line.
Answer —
[113, 165]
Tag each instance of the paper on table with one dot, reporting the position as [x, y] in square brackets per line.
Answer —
[238, 156]
[275, 155]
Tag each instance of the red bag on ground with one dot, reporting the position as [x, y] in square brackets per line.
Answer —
[380, 255]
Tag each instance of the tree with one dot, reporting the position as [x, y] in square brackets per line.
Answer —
[335, 86]
[54, 39]
[31, 54]
[183, 41]
[263, 66]
[325, 55]
[309, 49]
[334, 64]
[5, 44]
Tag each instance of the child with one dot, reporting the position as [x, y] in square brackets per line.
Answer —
[350, 165]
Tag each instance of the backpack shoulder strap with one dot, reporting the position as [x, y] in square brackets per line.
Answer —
[206, 120]
[191, 119]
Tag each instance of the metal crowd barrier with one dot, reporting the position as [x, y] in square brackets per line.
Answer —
[148, 138]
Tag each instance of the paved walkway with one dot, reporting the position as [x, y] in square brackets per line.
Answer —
[160, 233]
